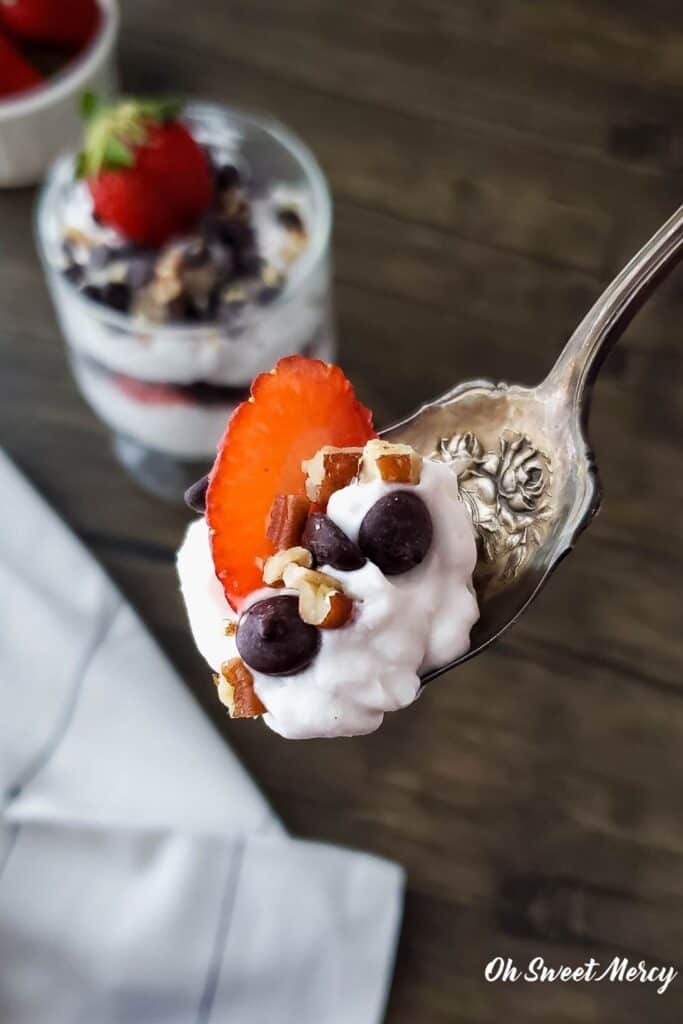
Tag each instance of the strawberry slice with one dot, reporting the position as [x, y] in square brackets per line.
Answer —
[293, 411]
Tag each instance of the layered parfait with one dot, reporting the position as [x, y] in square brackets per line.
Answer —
[328, 569]
[186, 249]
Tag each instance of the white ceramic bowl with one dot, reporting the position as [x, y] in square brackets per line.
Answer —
[34, 128]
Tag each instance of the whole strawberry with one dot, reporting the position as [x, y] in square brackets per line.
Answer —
[149, 179]
[62, 22]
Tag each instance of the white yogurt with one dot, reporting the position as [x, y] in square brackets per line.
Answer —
[183, 429]
[402, 625]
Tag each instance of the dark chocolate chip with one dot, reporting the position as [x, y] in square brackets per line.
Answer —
[116, 295]
[224, 261]
[247, 259]
[227, 177]
[195, 496]
[92, 292]
[196, 255]
[272, 638]
[268, 294]
[290, 219]
[396, 532]
[236, 233]
[210, 225]
[140, 271]
[69, 250]
[74, 273]
[100, 255]
[329, 545]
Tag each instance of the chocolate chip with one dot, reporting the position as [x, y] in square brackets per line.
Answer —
[396, 533]
[227, 177]
[195, 496]
[195, 255]
[268, 294]
[272, 638]
[92, 292]
[290, 219]
[116, 295]
[74, 273]
[236, 233]
[140, 271]
[248, 263]
[329, 545]
[100, 255]
[224, 261]
[69, 250]
[210, 225]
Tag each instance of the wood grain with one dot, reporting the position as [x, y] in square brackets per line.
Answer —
[493, 164]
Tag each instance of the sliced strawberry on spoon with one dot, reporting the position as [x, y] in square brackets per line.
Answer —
[293, 411]
[148, 177]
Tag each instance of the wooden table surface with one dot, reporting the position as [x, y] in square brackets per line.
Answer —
[493, 164]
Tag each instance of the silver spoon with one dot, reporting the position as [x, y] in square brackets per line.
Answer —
[523, 461]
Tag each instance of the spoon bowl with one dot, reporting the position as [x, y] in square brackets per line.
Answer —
[521, 454]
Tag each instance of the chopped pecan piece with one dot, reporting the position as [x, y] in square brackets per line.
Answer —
[329, 470]
[236, 690]
[286, 520]
[393, 463]
[322, 601]
[275, 566]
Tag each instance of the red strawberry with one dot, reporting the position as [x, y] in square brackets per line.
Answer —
[16, 74]
[67, 22]
[148, 177]
[293, 411]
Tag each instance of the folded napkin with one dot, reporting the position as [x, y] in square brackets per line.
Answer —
[143, 877]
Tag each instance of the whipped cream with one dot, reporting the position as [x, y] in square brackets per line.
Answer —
[402, 625]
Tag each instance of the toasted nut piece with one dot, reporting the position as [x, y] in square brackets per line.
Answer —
[275, 566]
[393, 463]
[77, 237]
[329, 470]
[167, 283]
[322, 602]
[286, 520]
[236, 690]
[293, 247]
[230, 628]
[226, 692]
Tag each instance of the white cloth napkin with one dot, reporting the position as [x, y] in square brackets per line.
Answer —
[143, 877]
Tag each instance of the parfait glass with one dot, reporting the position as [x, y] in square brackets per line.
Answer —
[166, 391]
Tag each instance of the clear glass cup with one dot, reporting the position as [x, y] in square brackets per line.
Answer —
[166, 391]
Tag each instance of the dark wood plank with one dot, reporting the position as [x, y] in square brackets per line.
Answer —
[527, 69]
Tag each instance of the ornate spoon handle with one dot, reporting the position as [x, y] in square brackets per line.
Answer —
[579, 362]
